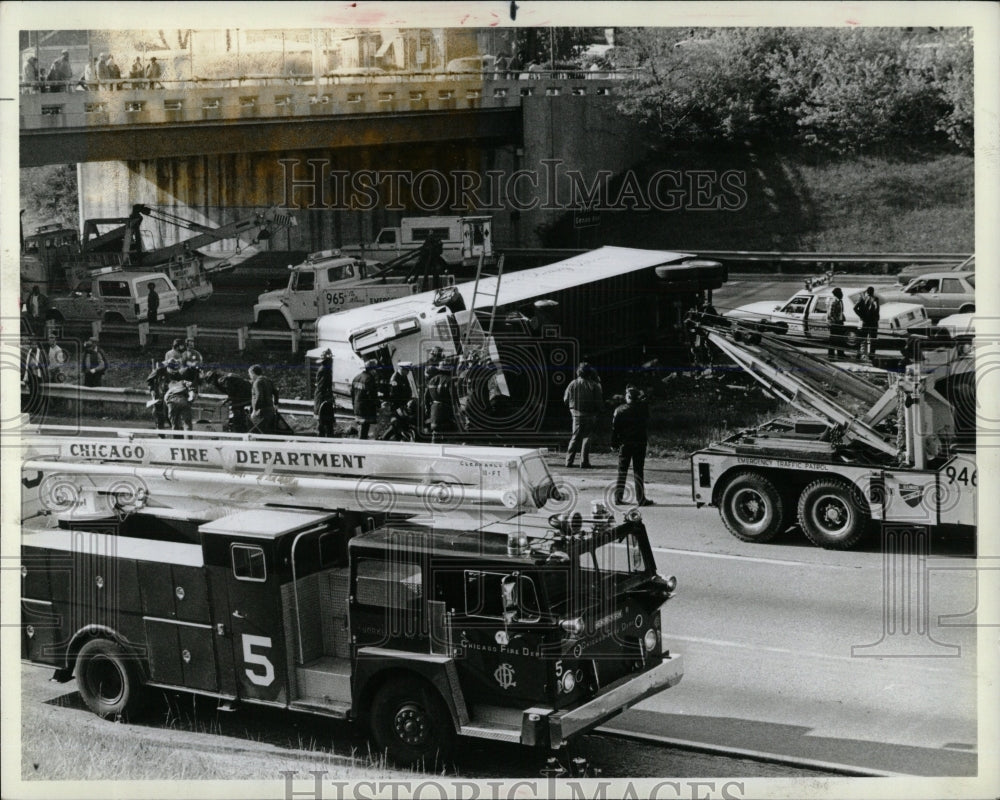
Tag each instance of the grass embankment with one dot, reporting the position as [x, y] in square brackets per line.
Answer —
[801, 202]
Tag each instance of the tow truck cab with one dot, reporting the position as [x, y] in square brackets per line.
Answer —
[510, 632]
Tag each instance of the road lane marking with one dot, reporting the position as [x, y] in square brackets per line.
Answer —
[759, 560]
[785, 651]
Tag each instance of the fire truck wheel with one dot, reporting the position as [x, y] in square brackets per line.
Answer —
[833, 514]
[409, 722]
[109, 680]
[753, 508]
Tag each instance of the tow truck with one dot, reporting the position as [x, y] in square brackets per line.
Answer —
[403, 586]
[54, 259]
[328, 282]
[862, 454]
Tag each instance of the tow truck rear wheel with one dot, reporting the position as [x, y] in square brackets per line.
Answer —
[753, 508]
[410, 723]
[109, 680]
[833, 514]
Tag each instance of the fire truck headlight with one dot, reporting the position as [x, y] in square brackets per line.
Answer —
[649, 640]
[568, 682]
[573, 626]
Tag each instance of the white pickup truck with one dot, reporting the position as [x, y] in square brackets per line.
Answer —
[327, 282]
[115, 295]
[463, 239]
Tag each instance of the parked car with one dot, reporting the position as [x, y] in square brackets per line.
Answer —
[941, 293]
[804, 316]
[907, 274]
[959, 326]
[115, 296]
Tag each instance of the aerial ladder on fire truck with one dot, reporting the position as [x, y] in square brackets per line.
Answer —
[863, 452]
[214, 473]
[398, 585]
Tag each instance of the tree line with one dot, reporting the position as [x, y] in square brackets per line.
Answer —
[845, 91]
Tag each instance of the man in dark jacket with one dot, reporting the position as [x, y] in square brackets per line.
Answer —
[263, 402]
[157, 383]
[93, 363]
[628, 434]
[239, 393]
[364, 395]
[323, 403]
[867, 309]
[438, 402]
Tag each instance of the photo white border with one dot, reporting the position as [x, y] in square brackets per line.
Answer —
[983, 17]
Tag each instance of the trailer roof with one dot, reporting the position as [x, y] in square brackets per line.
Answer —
[515, 287]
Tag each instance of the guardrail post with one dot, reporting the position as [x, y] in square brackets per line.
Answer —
[241, 338]
[143, 333]
[95, 329]
[296, 336]
[192, 332]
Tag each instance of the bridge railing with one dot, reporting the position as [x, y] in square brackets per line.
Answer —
[120, 102]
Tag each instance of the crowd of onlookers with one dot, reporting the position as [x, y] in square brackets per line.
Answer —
[102, 72]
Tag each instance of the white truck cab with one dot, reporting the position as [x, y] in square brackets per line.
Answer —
[325, 283]
[463, 239]
[115, 295]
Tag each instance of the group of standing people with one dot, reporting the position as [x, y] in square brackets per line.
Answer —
[49, 362]
[584, 396]
[101, 72]
[867, 310]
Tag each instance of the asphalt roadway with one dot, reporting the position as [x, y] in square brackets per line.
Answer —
[796, 651]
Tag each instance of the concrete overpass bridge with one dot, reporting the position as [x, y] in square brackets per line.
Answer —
[269, 114]
[209, 150]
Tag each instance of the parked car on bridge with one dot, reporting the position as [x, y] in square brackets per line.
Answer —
[907, 274]
[941, 293]
[804, 316]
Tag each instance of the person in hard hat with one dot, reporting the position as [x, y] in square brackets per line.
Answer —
[439, 402]
[323, 403]
[239, 394]
[364, 396]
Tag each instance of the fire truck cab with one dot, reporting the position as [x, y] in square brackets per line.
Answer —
[422, 628]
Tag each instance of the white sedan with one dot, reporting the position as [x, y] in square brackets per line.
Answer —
[804, 316]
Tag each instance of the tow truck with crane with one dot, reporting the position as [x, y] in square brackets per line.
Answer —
[56, 260]
[403, 586]
[329, 281]
[863, 454]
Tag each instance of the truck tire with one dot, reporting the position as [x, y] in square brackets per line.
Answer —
[410, 723]
[55, 316]
[833, 514]
[109, 680]
[753, 508]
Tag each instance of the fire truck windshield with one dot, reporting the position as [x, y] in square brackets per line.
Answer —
[599, 572]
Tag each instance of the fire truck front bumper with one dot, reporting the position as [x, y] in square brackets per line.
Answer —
[560, 726]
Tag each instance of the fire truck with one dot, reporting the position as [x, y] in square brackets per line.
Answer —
[863, 453]
[403, 586]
